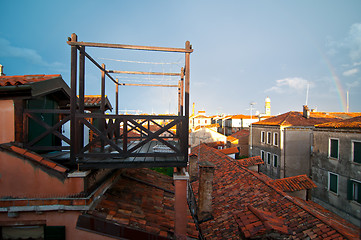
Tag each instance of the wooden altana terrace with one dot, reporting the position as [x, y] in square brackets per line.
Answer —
[117, 140]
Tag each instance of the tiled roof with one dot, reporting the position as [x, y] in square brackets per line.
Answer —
[25, 79]
[91, 101]
[296, 183]
[348, 123]
[231, 139]
[142, 199]
[215, 144]
[241, 133]
[246, 204]
[231, 150]
[251, 161]
[34, 157]
[215, 125]
[293, 119]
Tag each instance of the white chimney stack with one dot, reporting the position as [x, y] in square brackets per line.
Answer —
[1, 70]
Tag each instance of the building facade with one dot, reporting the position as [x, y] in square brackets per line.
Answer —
[336, 167]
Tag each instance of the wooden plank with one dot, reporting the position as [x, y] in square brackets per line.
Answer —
[130, 47]
[146, 85]
[144, 73]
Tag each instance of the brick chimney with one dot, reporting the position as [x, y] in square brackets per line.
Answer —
[204, 208]
[180, 177]
[306, 111]
[193, 167]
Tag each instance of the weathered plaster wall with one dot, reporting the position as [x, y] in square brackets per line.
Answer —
[344, 167]
[297, 146]
[7, 119]
[205, 135]
[257, 146]
[20, 178]
[55, 218]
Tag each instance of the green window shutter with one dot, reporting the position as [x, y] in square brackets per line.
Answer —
[334, 148]
[333, 182]
[357, 152]
[54, 233]
[358, 194]
[349, 189]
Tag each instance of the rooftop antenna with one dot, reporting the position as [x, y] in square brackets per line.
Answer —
[347, 100]
[308, 87]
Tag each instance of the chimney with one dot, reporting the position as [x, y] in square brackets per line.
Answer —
[1, 70]
[306, 111]
[193, 167]
[180, 177]
[204, 208]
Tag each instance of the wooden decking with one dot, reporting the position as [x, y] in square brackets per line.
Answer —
[165, 157]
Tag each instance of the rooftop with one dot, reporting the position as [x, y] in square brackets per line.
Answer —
[245, 204]
[141, 200]
[296, 183]
[293, 119]
[347, 123]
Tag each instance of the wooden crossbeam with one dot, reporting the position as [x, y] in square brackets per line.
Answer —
[146, 85]
[131, 47]
[144, 73]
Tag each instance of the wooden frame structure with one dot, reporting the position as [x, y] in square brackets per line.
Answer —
[113, 146]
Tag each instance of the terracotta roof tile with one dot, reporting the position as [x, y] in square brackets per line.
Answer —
[25, 79]
[231, 150]
[34, 157]
[251, 161]
[215, 125]
[296, 183]
[348, 123]
[241, 133]
[293, 119]
[237, 189]
[142, 199]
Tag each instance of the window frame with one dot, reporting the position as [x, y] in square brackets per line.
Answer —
[353, 150]
[264, 155]
[268, 158]
[330, 150]
[329, 182]
[269, 137]
[263, 137]
[275, 139]
[275, 156]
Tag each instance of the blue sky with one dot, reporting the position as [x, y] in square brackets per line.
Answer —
[244, 51]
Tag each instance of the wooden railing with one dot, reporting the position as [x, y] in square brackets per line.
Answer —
[113, 136]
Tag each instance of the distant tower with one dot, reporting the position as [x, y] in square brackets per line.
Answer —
[268, 106]
[193, 109]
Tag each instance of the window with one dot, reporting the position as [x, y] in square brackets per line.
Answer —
[205, 121]
[268, 158]
[275, 160]
[268, 138]
[354, 191]
[356, 151]
[262, 155]
[262, 137]
[333, 182]
[275, 139]
[333, 148]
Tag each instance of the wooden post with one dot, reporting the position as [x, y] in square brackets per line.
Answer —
[81, 93]
[102, 106]
[186, 97]
[116, 97]
[73, 98]
[182, 93]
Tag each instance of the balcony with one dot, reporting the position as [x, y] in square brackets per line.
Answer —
[115, 141]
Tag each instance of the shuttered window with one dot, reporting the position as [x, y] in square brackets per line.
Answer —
[354, 191]
[333, 182]
[333, 148]
[275, 160]
[356, 151]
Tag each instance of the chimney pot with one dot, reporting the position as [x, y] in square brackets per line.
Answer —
[306, 111]
[204, 208]
[1, 70]
[193, 167]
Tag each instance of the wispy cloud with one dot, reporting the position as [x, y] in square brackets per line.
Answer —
[7, 50]
[287, 84]
[352, 84]
[350, 72]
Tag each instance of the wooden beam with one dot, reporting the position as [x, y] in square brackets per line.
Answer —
[144, 73]
[131, 47]
[73, 101]
[147, 85]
